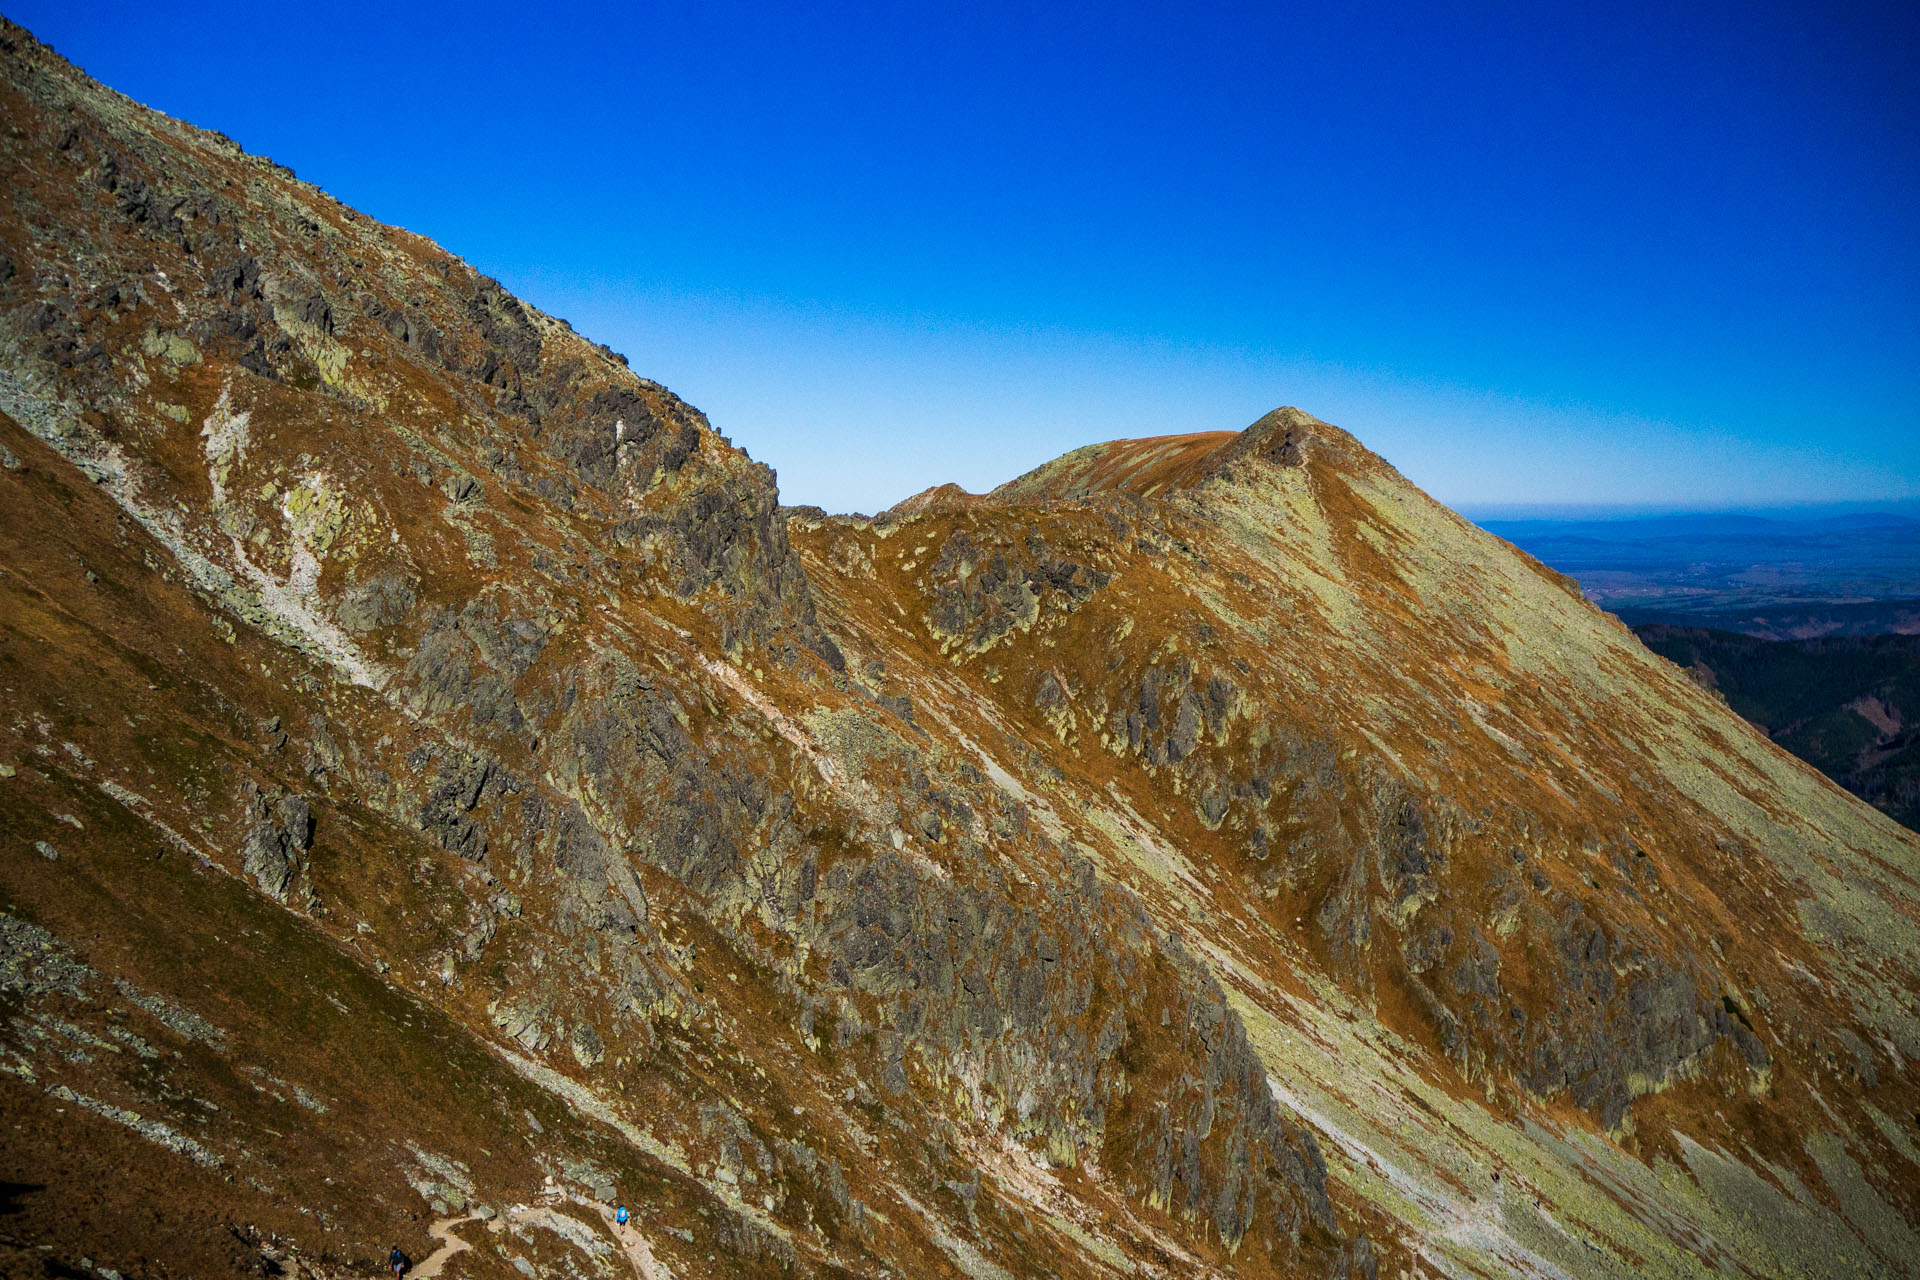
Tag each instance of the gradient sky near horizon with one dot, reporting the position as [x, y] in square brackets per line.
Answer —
[1651, 255]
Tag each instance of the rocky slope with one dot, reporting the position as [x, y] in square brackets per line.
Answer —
[441, 782]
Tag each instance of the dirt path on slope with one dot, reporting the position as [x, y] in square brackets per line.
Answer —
[635, 1246]
[639, 1253]
[450, 1244]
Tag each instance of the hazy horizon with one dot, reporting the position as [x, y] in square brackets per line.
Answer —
[1572, 512]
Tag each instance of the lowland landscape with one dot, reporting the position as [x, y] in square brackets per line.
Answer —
[1770, 577]
[445, 796]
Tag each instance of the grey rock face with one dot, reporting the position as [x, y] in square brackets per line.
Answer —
[384, 600]
[1628, 1020]
[989, 584]
[1054, 1004]
[274, 850]
[446, 813]
[588, 1048]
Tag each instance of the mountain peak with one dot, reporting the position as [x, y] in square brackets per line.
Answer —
[1159, 465]
[445, 798]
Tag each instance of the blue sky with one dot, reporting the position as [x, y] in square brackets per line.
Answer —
[1660, 255]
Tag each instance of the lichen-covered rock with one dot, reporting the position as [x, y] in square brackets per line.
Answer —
[986, 584]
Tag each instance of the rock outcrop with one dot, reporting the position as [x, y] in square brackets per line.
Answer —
[441, 780]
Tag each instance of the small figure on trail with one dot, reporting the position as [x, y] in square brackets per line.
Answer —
[620, 1215]
[397, 1261]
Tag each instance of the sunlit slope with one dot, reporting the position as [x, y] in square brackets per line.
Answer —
[376, 644]
[1367, 757]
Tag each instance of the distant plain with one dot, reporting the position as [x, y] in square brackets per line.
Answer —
[1773, 577]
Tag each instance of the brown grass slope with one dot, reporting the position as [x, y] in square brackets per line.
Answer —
[343, 586]
[438, 781]
[1330, 730]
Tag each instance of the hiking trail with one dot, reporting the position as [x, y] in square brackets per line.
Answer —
[639, 1252]
[450, 1244]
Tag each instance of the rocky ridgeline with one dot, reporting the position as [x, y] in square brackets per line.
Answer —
[957, 892]
[147, 242]
[508, 581]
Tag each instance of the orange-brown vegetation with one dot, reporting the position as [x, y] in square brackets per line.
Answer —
[442, 784]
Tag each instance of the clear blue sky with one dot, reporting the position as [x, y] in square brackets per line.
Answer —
[1660, 254]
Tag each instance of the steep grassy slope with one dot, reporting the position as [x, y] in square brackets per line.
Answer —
[1336, 735]
[337, 570]
[440, 781]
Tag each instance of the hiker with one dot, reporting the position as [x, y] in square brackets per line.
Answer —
[398, 1261]
[620, 1215]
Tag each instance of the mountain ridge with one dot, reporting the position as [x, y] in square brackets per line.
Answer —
[1195, 857]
